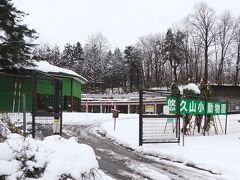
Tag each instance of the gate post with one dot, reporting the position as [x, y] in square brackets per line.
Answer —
[178, 122]
[34, 100]
[60, 103]
[226, 117]
[56, 121]
[24, 114]
[140, 116]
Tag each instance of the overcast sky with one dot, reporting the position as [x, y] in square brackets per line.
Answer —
[121, 21]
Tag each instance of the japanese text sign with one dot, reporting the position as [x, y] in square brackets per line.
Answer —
[193, 106]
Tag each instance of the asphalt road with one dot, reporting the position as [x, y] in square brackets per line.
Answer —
[123, 163]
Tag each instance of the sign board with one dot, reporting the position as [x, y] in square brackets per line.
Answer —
[165, 109]
[56, 126]
[149, 109]
[194, 106]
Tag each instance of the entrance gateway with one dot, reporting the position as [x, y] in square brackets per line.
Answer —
[46, 111]
[164, 125]
[160, 127]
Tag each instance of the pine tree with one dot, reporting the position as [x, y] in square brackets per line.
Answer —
[14, 48]
[67, 60]
[173, 50]
[56, 56]
[78, 58]
[108, 70]
[46, 53]
[133, 61]
[119, 68]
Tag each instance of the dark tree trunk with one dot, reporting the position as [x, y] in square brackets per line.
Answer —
[237, 65]
[175, 73]
[205, 80]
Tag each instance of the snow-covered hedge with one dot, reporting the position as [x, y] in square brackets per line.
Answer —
[52, 158]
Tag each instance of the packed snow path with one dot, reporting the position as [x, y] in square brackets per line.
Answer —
[122, 163]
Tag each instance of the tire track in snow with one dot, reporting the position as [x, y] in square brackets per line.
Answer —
[122, 163]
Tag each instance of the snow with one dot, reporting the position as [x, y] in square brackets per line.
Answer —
[69, 157]
[59, 156]
[44, 66]
[149, 171]
[8, 167]
[190, 86]
[217, 153]
[91, 118]
[207, 152]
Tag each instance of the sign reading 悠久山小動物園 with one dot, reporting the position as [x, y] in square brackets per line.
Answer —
[195, 106]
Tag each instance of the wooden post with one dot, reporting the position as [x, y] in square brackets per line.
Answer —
[114, 124]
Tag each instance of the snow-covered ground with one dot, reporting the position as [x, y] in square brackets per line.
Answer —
[218, 153]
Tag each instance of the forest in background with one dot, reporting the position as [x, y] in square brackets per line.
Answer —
[204, 46]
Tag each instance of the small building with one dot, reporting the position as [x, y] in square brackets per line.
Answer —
[228, 93]
[125, 103]
[14, 84]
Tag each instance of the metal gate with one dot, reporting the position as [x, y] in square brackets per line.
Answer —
[156, 125]
[46, 107]
[31, 102]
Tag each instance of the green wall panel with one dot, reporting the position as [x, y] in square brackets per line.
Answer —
[45, 86]
[9, 95]
[76, 89]
[66, 83]
[67, 87]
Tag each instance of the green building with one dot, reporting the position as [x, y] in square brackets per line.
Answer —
[14, 84]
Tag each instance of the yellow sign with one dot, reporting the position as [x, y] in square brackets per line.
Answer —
[149, 108]
[55, 121]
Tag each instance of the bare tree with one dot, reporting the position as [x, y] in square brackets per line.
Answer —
[225, 36]
[237, 44]
[150, 47]
[203, 22]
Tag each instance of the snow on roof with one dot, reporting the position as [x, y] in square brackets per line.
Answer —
[44, 66]
[190, 86]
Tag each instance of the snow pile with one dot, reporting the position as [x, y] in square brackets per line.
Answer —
[190, 86]
[52, 158]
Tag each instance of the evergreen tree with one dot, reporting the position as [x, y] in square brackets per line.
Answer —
[108, 70]
[55, 56]
[93, 66]
[133, 61]
[119, 68]
[47, 53]
[14, 48]
[42, 53]
[67, 60]
[78, 58]
[173, 50]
